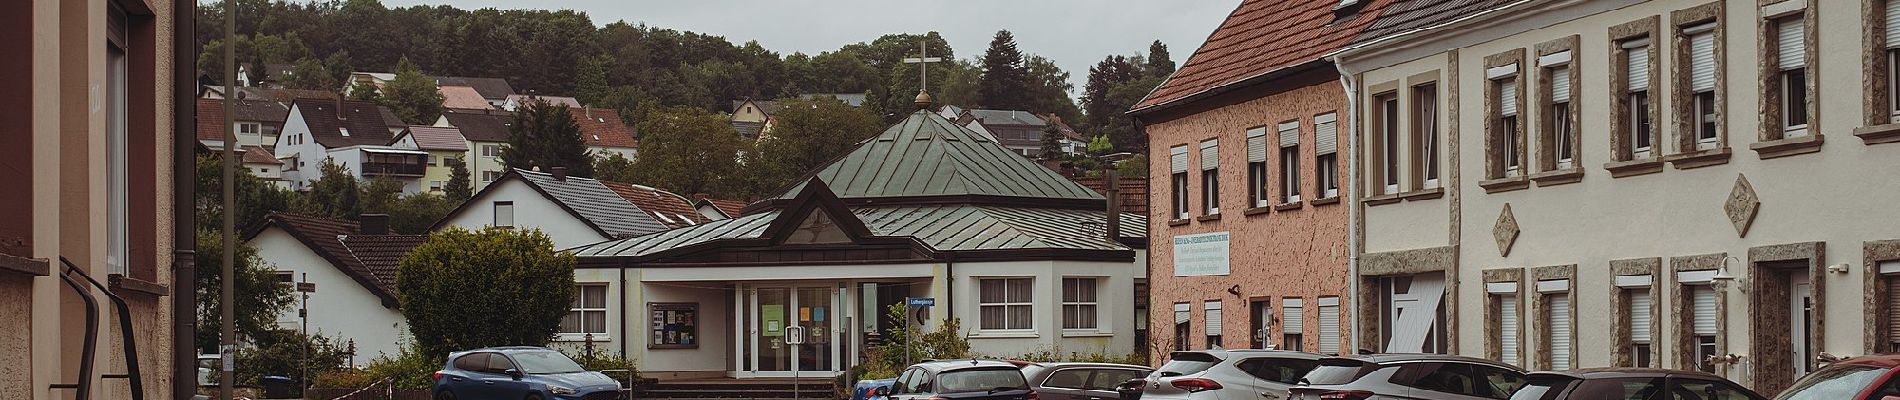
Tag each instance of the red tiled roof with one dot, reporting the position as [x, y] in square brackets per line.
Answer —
[602, 127]
[461, 97]
[381, 254]
[211, 115]
[1259, 37]
[732, 208]
[438, 138]
[1134, 192]
[257, 155]
[210, 119]
[1406, 15]
[370, 260]
[668, 208]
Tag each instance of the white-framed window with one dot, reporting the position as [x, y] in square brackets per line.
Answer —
[1389, 141]
[1508, 125]
[1178, 179]
[1078, 303]
[431, 160]
[1792, 73]
[1637, 100]
[249, 128]
[1329, 325]
[1211, 311]
[1210, 177]
[1326, 154]
[1293, 324]
[504, 214]
[1560, 129]
[1702, 66]
[435, 186]
[491, 150]
[1257, 167]
[1503, 295]
[1289, 162]
[1638, 316]
[588, 312]
[1555, 294]
[118, 137]
[1425, 132]
[490, 176]
[1006, 303]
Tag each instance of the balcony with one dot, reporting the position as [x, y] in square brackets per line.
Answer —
[393, 169]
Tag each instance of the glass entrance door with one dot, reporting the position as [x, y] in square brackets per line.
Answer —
[784, 315]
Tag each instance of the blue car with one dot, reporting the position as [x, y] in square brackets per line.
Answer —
[524, 373]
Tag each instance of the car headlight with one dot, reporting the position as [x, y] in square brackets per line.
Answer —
[560, 389]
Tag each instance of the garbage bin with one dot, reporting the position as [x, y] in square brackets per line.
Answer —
[277, 387]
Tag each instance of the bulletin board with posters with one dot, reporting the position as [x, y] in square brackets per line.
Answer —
[674, 325]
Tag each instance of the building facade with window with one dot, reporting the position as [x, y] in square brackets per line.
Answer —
[1251, 229]
[803, 284]
[1696, 184]
[92, 141]
[486, 132]
[353, 269]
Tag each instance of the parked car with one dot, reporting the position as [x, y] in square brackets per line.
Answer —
[1080, 381]
[1228, 375]
[1631, 383]
[1858, 378]
[869, 389]
[1409, 376]
[531, 373]
[960, 380]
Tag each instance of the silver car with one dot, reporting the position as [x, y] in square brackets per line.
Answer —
[1409, 376]
[1228, 375]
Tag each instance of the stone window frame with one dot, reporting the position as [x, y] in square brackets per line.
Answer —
[1623, 162]
[1764, 326]
[1496, 179]
[1548, 171]
[1683, 98]
[1882, 123]
[1621, 330]
[1874, 252]
[1770, 143]
[1683, 354]
[1541, 308]
[1493, 315]
[1375, 266]
[1415, 146]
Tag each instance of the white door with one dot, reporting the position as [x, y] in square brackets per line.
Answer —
[1801, 307]
[1415, 313]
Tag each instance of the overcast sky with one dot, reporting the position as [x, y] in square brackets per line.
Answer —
[1074, 33]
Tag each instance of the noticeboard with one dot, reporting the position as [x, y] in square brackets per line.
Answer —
[674, 325]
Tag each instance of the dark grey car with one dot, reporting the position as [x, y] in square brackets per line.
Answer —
[1630, 383]
[1409, 376]
[1080, 381]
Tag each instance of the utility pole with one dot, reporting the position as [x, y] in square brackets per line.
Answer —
[304, 289]
[227, 337]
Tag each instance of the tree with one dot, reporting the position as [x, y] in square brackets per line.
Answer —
[1159, 65]
[1100, 146]
[365, 91]
[1121, 128]
[334, 194]
[590, 81]
[379, 195]
[1051, 141]
[1048, 89]
[689, 150]
[309, 74]
[522, 286]
[1004, 77]
[254, 197]
[459, 188]
[611, 166]
[412, 96]
[256, 73]
[806, 134]
[263, 297]
[1103, 77]
[546, 136]
[415, 213]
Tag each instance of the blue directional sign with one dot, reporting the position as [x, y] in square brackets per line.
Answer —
[921, 301]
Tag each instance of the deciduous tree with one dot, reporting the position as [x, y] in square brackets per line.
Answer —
[263, 297]
[463, 289]
[689, 150]
[412, 96]
[807, 134]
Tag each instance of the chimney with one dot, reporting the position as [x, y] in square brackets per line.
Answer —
[373, 224]
[560, 174]
[339, 109]
[1112, 180]
[588, 111]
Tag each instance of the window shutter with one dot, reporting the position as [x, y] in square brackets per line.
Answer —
[1638, 67]
[1791, 46]
[1257, 145]
[1326, 134]
[1893, 308]
[1213, 318]
[1559, 85]
[1293, 316]
[1639, 315]
[1329, 325]
[1177, 159]
[1210, 154]
[1289, 133]
[1507, 328]
[1893, 24]
[1702, 62]
[1559, 334]
[1507, 96]
[1703, 306]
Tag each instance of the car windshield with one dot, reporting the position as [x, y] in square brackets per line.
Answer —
[545, 362]
[980, 380]
[1541, 390]
[1187, 363]
[1336, 372]
[1837, 382]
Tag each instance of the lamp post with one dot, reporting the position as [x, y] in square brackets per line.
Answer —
[304, 289]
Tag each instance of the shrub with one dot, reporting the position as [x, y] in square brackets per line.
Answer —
[465, 289]
[942, 343]
[601, 361]
[281, 353]
[410, 369]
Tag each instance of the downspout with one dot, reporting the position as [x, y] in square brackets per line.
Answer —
[1352, 196]
[624, 335]
[184, 192]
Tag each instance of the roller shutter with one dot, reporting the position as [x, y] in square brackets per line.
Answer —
[1702, 62]
[1214, 325]
[1329, 325]
[1507, 328]
[1639, 313]
[1257, 145]
[1210, 154]
[1326, 134]
[1702, 307]
[1559, 334]
[1637, 68]
[1289, 133]
[1507, 96]
[1177, 159]
[1790, 42]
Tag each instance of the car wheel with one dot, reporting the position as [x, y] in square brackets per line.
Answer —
[532, 396]
[445, 395]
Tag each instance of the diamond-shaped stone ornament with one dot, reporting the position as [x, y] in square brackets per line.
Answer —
[1741, 206]
[1505, 231]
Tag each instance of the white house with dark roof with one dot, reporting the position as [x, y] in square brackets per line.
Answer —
[353, 268]
[349, 133]
[573, 211]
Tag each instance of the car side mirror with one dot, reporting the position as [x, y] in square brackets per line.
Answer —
[516, 373]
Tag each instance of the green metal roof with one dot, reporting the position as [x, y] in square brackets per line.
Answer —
[942, 227]
[927, 155]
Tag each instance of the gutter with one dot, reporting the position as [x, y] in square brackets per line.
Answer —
[1336, 55]
[1243, 83]
[1352, 212]
[184, 194]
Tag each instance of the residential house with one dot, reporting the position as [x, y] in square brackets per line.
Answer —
[1630, 183]
[462, 97]
[353, 267]
[486, 132]
[824, 262]
[445, 146]
[573, 211]
[516, 101]
[350, 133]
[273, 73]
[1246, 138]
[752, 118]
[669, 208]
[263, 165]
[96, 227]
[604, 131]
[1020, 131]
[257, 122]
[494, 91]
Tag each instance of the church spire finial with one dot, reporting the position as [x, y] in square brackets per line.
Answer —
[923, 61]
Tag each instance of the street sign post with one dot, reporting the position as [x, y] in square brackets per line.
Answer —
[913, 304]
